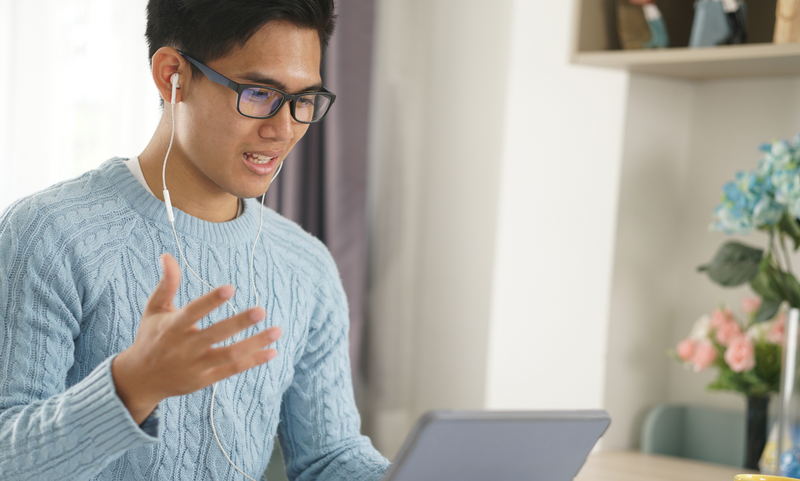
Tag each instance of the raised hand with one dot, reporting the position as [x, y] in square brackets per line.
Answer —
[171, 356]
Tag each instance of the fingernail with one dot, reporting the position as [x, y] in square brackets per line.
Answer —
[226, 292]
[256, 315]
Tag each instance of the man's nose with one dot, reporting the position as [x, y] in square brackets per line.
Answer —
[280, 126]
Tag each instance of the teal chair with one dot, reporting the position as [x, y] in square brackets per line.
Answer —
[275, 469]
[695, 432]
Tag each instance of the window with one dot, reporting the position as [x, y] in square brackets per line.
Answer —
[75, 89]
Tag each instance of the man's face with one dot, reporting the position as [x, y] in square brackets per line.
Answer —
[225, 151]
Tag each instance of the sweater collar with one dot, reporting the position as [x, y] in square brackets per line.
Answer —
[243, 229]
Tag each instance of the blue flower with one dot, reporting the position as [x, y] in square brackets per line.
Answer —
[759, 199]
[731, 220]
[780, 148]
[767, 212]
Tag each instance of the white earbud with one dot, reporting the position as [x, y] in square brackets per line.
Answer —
[174, 81]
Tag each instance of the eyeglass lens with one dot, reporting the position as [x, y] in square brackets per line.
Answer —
[259, 102]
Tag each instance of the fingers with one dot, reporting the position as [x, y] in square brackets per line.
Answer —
[248, 362]
[164, 293]
[227, 328]
[242, 352]
[203, 305]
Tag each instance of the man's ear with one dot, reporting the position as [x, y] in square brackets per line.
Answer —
[165, 62]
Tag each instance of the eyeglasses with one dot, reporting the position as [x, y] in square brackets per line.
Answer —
[260, 102]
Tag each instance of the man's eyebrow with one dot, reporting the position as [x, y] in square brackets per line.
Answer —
[271, 82]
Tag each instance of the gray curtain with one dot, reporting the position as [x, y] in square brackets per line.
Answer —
[323, 184]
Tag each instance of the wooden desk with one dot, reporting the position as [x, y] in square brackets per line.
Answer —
[635, 466]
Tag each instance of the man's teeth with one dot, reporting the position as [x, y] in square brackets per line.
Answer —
[257, 158]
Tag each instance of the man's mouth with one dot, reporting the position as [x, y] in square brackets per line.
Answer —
[257, 158]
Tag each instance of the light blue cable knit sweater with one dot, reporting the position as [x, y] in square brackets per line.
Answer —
[77, 264]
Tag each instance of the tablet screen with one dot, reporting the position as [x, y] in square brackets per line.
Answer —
[498, 445]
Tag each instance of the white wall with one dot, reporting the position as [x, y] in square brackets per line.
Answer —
[440, 82]
[555, 236]
[486, 296]
[646, 282]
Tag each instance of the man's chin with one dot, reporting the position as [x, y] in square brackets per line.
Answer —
[251, 190]
[252, 194]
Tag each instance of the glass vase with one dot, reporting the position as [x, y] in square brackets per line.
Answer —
[788, 442]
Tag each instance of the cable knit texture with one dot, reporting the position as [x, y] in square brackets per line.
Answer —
[77, 264]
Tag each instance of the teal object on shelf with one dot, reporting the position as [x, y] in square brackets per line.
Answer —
[658, 34]
[711, 26]
[695, 432]
[659, 38]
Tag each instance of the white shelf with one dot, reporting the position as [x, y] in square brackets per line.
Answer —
[753, 60]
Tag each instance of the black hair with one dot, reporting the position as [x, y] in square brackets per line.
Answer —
[210, 29]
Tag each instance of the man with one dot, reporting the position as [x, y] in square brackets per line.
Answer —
[106, 371]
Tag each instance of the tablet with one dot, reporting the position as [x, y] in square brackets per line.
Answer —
[498, 445]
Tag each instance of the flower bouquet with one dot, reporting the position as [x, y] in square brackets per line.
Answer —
[748, 358]
[747, 355]
[766, 199]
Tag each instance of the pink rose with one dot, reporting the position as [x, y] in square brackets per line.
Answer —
[686, 349]
[704, 355]
[750, 305]
[728, 331]
[776, 331]
[740, 355]
[720, 317]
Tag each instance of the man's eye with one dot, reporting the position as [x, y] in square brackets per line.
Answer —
[306, 101]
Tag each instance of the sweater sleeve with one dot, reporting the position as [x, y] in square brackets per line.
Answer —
[320, 425]
[49, 430]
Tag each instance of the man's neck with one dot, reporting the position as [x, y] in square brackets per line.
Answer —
[186, 193]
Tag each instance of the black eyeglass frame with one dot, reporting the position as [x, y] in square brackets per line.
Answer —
[218, 78]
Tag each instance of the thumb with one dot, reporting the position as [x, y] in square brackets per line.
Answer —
[164, 293]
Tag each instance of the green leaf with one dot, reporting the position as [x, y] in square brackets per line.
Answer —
[790, 226]
[794, 289]
[728, 381]
[773, 284]
[768, 309]
[767, 283]
[768, 364]
[734, 264]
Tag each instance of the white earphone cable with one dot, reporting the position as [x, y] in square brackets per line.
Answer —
[170, 215]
